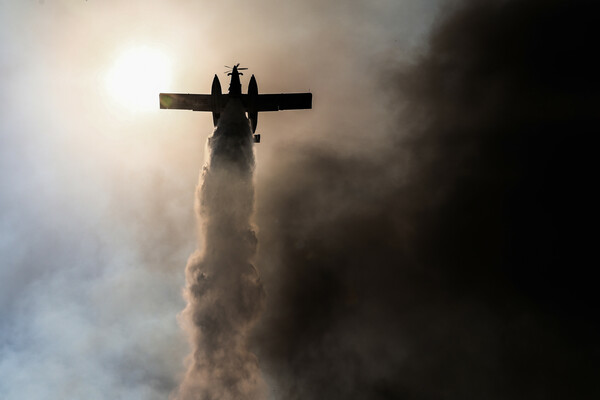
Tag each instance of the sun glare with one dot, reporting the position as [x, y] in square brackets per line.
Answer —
[136, 78]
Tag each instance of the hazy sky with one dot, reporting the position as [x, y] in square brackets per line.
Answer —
[96, 204]
[423, 231]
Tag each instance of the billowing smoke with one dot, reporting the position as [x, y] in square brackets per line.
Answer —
[224, 292]
[458, 263]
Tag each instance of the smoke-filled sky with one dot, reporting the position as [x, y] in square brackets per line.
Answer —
[425, 232]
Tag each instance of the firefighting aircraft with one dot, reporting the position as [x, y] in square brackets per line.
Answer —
[253, 102]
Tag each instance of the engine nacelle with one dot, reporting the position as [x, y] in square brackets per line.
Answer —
[216, 99]
[251, 106]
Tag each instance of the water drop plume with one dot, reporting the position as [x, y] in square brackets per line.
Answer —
[224, 293]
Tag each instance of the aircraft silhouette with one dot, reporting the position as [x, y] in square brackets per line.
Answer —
[252, 102]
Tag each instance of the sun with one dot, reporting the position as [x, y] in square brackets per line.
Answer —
[137, 76]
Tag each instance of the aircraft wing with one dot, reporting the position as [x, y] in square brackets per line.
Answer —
[286, 101]
[262, 102]
[180, 101]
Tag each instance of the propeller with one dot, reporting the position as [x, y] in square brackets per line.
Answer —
[236, 66]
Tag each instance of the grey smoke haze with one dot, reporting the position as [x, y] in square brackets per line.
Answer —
[96, 202]
[224, 292]
[457, 263]
[376, 210]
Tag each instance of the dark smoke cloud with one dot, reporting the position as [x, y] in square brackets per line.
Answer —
[458, 263]
[224, 292]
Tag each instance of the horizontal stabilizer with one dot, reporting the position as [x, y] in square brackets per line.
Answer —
[287, 101]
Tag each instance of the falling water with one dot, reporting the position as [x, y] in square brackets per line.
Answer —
[224, 293]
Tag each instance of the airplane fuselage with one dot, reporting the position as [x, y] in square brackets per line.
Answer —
[235, 86]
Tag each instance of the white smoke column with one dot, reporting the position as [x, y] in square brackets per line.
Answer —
[224, 292]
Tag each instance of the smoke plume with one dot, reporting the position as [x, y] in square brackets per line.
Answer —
[224, 292]
[458, 263]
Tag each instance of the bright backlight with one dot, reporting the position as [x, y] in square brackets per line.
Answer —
[136, 78]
